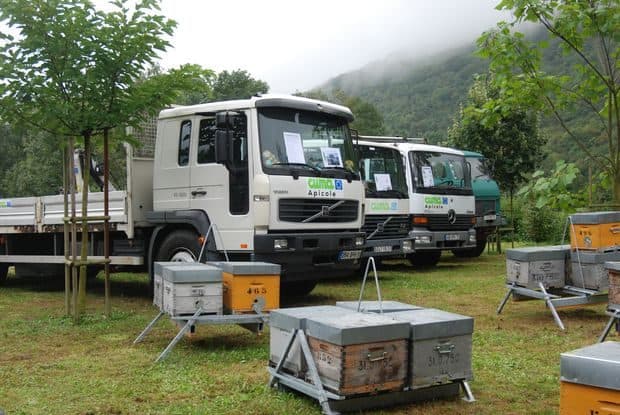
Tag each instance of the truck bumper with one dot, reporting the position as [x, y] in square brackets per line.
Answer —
[388, 247]
[444, 240]
[487, 224]
[311, 256]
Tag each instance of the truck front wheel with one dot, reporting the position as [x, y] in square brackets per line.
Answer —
[471, 252]
[179, 246]
[424, 259]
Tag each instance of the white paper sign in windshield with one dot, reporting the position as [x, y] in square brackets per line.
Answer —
[331, 157]
[427, 176]
[294, 148]
[383, 182]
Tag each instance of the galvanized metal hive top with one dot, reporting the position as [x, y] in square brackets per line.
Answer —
[613, 265]
[356, 328]
[373, 306]
[158, 267]
[593, 218]
[247, 268]
[586, 257]
[194, 273]
[430, 323]
[539, 253]
[596, 365]
[296, 317]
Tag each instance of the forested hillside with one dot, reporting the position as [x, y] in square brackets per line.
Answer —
[420, 98]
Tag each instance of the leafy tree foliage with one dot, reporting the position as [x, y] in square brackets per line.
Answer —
[587, 31]
[508, 137]
[237, 84]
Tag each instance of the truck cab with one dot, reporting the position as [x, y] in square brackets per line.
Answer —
[387, 221]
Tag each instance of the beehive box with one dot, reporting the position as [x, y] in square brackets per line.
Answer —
[613, 270]
[440, 346]
[590, 380]
[189, 287]
[359, 353]
[528, 266]
[247, 283]
[588, 269]
[283, 322]
[374, 307]
[158, 281]
[596, 231]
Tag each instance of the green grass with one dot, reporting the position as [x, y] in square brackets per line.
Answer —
[50, 366]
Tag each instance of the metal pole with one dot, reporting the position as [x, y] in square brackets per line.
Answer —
[106, 222]
[67, 249]
[74, 276]
[505, 300]
[556, 317]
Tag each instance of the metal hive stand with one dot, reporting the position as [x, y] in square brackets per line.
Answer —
[567, 296]
[614, 318]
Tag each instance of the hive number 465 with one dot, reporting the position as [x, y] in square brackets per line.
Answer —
[262, 290]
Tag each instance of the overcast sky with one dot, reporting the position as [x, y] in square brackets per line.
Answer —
[296, 45]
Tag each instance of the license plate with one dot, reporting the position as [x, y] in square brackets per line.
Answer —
[453, 237]
[382, 249]
[489, 217]
[344, 255]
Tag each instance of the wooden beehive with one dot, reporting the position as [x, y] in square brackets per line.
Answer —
[527, 267]
[188, 288]
[359, 353]
[588, 269]
[613, 270]
[595, 231]
[590, 380]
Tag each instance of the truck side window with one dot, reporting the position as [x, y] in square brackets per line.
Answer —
[239, 191]
[184, 142]
[206, 141]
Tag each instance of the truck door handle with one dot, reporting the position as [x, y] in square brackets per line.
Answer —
[199, 192]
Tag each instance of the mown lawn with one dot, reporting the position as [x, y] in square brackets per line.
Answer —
[50, 366]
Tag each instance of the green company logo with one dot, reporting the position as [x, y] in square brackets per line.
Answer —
[380, 206]
[432, 200]
[5, 203]
[321, 184]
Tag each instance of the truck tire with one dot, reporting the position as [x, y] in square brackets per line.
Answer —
[471, 252]
[296, 288]
[424, 259]
[179, 246]
[4, 272]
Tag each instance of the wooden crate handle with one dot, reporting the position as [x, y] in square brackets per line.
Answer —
[376, 354]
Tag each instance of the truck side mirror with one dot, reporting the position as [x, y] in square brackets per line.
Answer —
[223, 140]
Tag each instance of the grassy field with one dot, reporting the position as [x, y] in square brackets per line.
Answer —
[50, 366]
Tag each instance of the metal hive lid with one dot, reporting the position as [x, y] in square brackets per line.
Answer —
[539, 253]
[295, 317]
[431, 323]
[596, 365]
[356, 328]
[373, 306]
[613, 266]
[191, 273]
[594, 257]
[592, 218]
[248, 268]
[158, 266]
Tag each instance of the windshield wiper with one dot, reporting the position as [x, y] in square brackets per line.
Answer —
[350, 173]
[296, 174]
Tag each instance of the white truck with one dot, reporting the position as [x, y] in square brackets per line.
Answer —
[387, 222]
[274, 174]
[441, 200]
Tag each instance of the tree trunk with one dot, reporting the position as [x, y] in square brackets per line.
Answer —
[84, 250]
[616, 189]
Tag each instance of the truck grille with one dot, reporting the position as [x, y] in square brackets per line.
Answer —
[317, 210]
[396, 227]
[484, 207]
[440, 223]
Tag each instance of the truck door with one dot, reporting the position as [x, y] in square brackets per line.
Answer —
[222, 190]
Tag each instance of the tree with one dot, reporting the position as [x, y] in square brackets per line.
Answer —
[508, 137]
[237, 84]
[588, 32]
[74, 71]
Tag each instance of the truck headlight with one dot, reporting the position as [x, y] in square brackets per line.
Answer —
[407, 246]
[280, 244]
[472, 238]
[359, 241]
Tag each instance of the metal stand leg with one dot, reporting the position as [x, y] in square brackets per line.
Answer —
[556, 317]
[469, 397]
[178, 337]
[148, 328]
[314, 373]
[608, 327]
[287, 349]
[505, 300]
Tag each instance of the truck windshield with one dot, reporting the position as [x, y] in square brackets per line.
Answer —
[478, 170]
[310, 143]
[440, 173]
[382, 171]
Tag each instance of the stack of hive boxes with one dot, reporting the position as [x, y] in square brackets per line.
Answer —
[407, 347]
[595, 239]
[613, 269]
